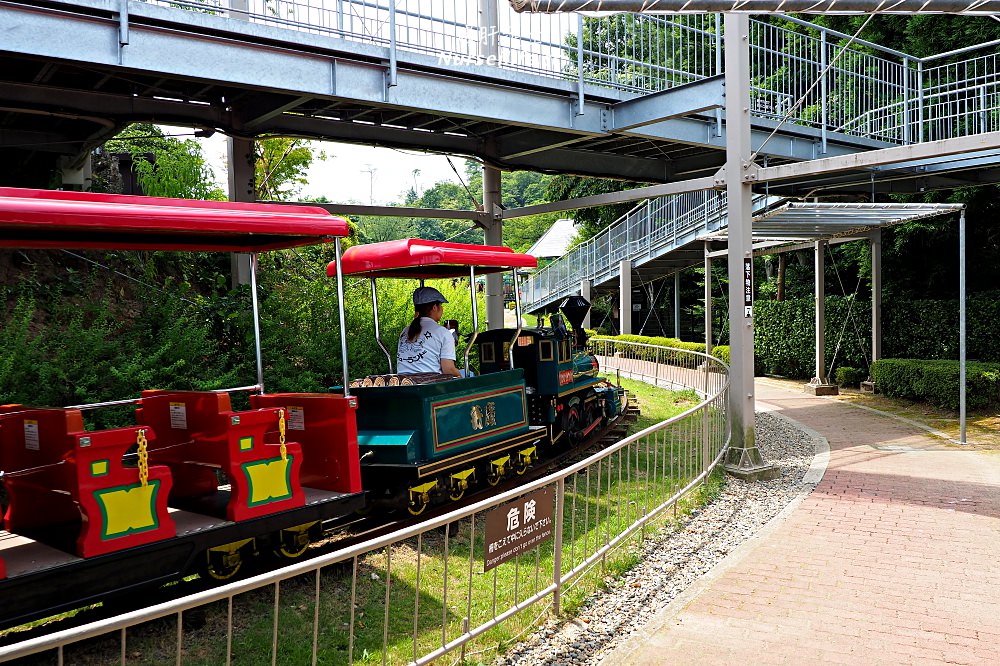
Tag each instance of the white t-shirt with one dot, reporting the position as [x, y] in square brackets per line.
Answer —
[434, 342]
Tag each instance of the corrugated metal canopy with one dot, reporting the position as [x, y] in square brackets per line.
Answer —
[797, 221]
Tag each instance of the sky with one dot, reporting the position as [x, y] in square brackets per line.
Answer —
[344, 175]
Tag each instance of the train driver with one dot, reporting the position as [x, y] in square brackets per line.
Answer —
[424, 345]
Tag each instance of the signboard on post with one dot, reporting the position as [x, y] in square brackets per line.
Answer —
[517, 527]
[747, 287]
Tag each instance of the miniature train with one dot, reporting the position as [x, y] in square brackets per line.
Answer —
[196, 485]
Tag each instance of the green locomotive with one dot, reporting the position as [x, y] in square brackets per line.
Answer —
[428, 438]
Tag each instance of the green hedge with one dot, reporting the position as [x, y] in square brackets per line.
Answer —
[718, 352]
[784, 332]
[937, 382]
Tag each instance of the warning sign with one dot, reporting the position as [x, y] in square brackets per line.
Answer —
[31, 435]
[747, 287]
[178, 415]
[296, 418]
[517, 527]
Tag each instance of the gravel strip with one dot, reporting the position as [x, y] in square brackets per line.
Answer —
[676, 557]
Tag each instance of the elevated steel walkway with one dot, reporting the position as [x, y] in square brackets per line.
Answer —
[626, 96]
[657, 237]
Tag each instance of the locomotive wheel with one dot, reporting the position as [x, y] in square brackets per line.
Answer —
[456, 493]
[493, 480]
[571, 424]
[418, 509]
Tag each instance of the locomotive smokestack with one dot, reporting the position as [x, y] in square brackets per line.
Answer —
[575, 308]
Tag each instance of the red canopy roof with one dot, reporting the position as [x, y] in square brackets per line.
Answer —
[43, 219]
[417, 258]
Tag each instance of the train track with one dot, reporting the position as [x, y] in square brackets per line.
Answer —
[341, 534]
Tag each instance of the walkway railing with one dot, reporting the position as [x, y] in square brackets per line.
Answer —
[868, 90]
[412, 596]
[651, 229]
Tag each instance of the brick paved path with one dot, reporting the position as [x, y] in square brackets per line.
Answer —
[893, 559]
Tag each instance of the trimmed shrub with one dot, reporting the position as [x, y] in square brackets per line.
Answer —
[721, 352]
[848, 376]
[937, 382]
[784, 332]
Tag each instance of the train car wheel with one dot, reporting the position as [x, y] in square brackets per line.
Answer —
[224, 562]
[293, 542]
[456, 493]
[416, 510]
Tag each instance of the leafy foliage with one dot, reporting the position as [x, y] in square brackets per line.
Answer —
[166, 166]
[784, 332]
[280, 167]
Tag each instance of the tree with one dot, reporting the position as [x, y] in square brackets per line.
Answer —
[166, 166]
[378, 229]
[280, 167]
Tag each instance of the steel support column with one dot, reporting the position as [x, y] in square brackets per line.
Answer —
[820, 291]
[489, 54]
[744, 458]
[708, 300]
[494, 236]
[876, 243]
[585, 291]
[625, 297]
[240, 157]
[820, 383]
[677, 305]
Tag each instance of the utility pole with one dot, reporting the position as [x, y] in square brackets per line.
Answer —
[370, 170]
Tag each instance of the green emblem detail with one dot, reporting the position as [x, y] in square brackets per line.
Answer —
[246, 443]
[99, 468]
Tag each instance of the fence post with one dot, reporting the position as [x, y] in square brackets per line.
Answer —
[920, 100]
[906, 100]
[823, 91]
[557, 547]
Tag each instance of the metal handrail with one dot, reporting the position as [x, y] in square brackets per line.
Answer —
[689, 371]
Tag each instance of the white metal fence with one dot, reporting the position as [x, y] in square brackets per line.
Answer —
[799, 72]
[415, 595]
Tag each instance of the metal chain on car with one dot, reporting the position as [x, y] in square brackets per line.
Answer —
[281, 434]
[140, 440]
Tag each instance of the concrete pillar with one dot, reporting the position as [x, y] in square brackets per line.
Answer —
[585, 291]
[625, 297]
[494, 236]
[876, 243]
[743, 458]
[240, 157]
[677, 305]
